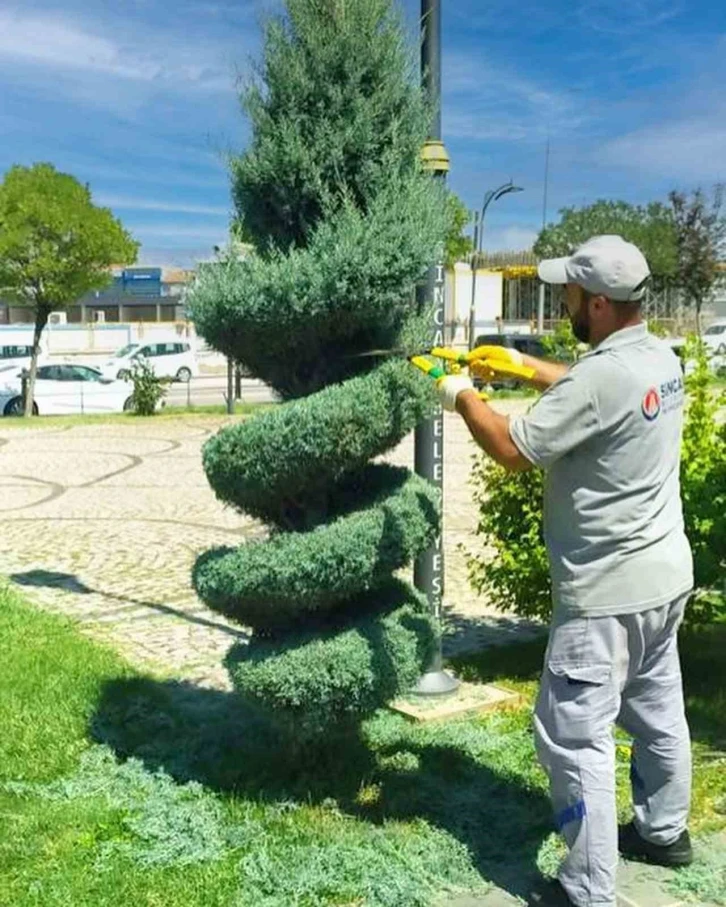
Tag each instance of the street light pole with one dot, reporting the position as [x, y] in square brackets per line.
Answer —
[491, 196]
[428, 571]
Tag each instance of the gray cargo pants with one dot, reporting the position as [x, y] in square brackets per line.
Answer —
[599, 671]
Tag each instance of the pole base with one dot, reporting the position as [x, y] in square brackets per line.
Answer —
[436, 683]
[469, 700]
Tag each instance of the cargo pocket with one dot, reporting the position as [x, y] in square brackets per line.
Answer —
[577, 699]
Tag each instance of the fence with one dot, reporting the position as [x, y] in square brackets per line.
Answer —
[89, 397]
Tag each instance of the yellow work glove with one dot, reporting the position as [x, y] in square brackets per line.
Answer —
[499, 354]
[449, 389]
[488, 362]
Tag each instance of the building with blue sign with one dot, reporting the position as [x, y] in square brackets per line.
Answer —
[135, 294]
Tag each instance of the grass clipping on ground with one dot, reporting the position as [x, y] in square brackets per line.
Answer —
[117, 788]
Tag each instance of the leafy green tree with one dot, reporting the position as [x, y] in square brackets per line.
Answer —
[701, 244]
[55, 245]
[651, 227]
[344, 222]
[458, 246]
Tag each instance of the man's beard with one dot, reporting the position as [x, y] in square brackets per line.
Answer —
[581, 324]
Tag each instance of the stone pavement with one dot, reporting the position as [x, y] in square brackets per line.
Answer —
[639, 885]
[103, 523]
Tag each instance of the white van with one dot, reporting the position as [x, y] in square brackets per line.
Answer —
[171, 359]
[17, 354]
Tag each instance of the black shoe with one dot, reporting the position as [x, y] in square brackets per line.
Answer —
[632, 845]
[549, 893]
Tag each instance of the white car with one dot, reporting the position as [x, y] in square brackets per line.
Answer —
[171, 359]
[62, 389]
[715, 337]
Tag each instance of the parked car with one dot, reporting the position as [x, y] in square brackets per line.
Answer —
[18, 354]
[528, 344]
[171, 359]
[62, 389]
[715, 338]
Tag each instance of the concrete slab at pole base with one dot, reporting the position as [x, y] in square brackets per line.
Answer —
[469, 699]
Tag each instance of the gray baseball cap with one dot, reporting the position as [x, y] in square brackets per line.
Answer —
[605, 266]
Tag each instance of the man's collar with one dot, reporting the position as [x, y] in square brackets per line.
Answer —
[623, 337]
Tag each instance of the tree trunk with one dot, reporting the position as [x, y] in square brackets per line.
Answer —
[698, 318]
[41, 319]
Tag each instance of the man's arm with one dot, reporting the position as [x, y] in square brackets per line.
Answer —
[546, 373]
[490, 430]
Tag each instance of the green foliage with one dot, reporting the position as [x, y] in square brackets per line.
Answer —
[701, 243]
[344, 222]
[296, 320]
[318, 676]
[516, 577]
[283, 465]
[657, 328]
[703, 482]
[296, 575]
[337, 118]
[149, 390]
[55, 244]
[562, 345]
[458, 245]
[650, 227]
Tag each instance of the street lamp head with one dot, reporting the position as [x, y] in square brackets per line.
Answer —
[505, 190]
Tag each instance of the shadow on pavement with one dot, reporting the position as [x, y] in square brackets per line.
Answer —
[68, 582]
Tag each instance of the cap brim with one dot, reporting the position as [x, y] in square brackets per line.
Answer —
[553, 270]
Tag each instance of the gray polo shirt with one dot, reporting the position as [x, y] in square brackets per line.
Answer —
[608, 435]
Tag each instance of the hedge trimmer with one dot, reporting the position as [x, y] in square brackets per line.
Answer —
[484, 362]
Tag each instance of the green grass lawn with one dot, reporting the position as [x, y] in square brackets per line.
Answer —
[168, 413]
[118, 788]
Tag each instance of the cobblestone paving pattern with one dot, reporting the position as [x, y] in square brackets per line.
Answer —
[103, 522]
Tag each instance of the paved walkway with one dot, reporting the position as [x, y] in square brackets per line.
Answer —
[103, 523]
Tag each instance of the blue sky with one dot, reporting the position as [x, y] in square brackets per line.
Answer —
[138, 99]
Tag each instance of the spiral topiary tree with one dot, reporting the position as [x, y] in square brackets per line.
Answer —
[344, 221]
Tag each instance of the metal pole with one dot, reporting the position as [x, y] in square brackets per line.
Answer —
[546, 184]
[472, 307]
[540, 309]
[230, 387]
[429, 438]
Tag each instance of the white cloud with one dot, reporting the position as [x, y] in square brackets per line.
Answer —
[485, 101]
[55, 43]
[689, 150]
[126, 203]
[613, 17]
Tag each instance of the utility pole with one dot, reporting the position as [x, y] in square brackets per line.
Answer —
[546, 184]
[429, 438]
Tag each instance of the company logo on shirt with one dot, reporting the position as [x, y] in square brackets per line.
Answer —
[651, 404]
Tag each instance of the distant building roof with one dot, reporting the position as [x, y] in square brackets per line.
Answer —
[506, 259]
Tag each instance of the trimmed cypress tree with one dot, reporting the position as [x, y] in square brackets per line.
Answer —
[344, 221]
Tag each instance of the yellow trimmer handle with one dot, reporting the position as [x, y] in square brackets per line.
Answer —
[435, 371]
